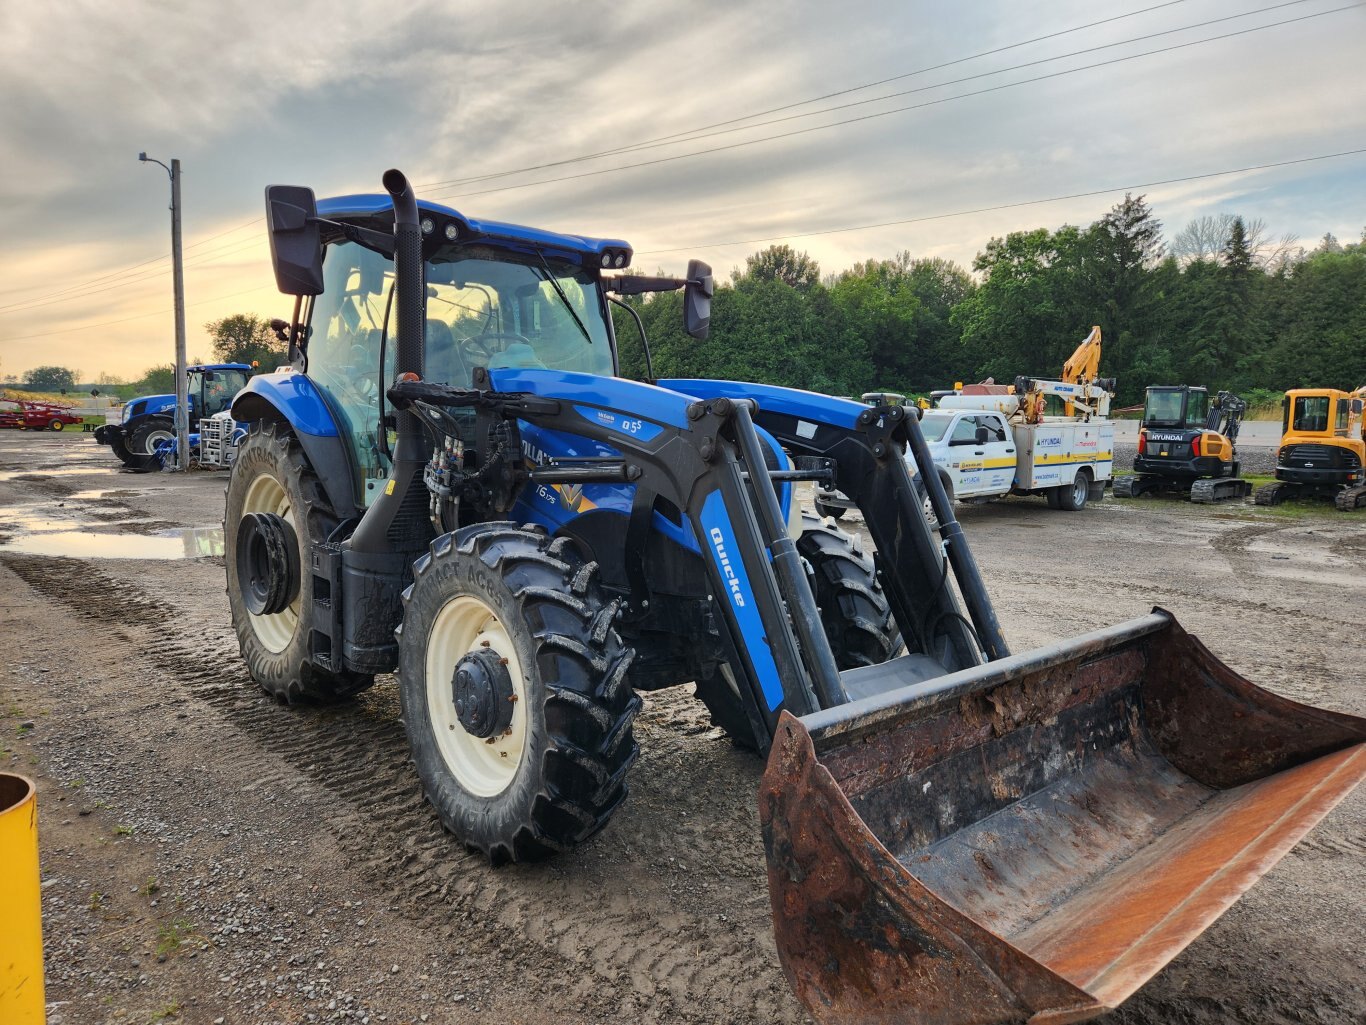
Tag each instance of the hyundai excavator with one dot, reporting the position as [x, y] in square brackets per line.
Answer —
[955, 834]
[1322, 453]
[1188, 444]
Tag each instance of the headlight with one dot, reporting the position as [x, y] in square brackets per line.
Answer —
[428, 225]
[452, 231]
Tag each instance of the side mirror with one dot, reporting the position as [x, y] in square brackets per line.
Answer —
[982, 435]
[295, 240]
[697, 300]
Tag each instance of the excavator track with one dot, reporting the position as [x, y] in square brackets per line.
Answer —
[1271, 494]
[1223, 489]
[1133, 486]
[1351, 499]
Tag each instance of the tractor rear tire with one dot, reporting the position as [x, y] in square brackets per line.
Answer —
[515, 691]
[272, 475]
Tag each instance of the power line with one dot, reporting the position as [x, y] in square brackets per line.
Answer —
[194, 264]
[140, 316]
[799, 103]
[903, 109]
[26, 303]
[1009, 206]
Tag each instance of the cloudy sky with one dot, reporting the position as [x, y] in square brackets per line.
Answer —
[329, 94]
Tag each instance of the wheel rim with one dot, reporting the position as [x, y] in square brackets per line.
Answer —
[267, 495]
[1079, 490]
[463, 625]
[930, 517]
[153, 439]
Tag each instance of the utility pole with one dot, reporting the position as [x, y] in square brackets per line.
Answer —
[182, 404]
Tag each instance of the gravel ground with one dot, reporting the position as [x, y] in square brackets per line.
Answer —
[210, 857]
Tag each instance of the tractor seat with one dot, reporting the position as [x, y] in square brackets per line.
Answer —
[444, 364]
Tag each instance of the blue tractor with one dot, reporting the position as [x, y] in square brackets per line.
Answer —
[147, 430]
[454, 483]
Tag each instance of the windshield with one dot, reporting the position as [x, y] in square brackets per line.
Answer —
[933, 427]
[488, 308]
[485, 307]
[1311, 413]
[1163, 407]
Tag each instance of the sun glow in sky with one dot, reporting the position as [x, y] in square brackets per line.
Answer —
[331, 95]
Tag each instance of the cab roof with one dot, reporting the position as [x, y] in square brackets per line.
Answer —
[379, 210]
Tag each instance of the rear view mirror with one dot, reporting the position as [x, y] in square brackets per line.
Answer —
[295, 241]
[697, 300]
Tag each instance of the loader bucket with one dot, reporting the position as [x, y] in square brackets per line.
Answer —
[1034, 838]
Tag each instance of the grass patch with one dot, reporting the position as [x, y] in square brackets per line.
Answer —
[122, 830]
[169, 1011]
[151, 887]
[171, 935]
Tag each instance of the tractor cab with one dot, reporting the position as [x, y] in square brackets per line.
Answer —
[498, 296]
[1178, 439]
[211, 388]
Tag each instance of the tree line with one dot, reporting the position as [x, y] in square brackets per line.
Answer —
[1220, 305]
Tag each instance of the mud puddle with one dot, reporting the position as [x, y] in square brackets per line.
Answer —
[61, 471]
[41, 532]
[180, 543]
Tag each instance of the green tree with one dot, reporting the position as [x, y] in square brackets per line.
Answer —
[781, 263]
[50, 379]
[158, 380]
[244, 338]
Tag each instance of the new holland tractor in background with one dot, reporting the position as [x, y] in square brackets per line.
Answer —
[1322, 453]
[452, 482]
[145, 430]
[1188, 445]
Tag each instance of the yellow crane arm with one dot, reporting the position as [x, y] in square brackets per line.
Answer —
[1084, 363]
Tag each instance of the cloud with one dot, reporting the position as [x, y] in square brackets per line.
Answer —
[330, 95]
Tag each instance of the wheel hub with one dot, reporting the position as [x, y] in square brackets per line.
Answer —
[482, 691]
[267, 563]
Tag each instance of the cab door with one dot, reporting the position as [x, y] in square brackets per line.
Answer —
[999, 453]
[967, 457]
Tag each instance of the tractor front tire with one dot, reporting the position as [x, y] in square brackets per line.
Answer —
[515, 691]
[142, 443]
[272, 475]
[857, 618]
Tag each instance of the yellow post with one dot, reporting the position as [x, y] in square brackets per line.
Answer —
[21, 938]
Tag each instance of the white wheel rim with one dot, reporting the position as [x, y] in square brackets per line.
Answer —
[267, 495]
[483, 767]
[154, 439]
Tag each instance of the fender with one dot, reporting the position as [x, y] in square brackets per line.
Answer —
[294, 399]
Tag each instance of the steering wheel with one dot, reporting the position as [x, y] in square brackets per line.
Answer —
[476, 348]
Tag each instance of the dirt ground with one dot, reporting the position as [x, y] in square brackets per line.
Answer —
[211, 857]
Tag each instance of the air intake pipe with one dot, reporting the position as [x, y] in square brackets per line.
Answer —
[373, 534]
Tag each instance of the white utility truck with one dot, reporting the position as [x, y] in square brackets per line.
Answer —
[991, 440]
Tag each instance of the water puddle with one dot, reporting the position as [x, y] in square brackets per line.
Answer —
[61, 471]
[181, 543]
[34, 531]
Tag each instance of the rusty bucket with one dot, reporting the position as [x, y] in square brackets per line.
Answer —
[1034, 838]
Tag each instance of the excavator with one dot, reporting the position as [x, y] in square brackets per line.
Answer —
[1322, 453]
[1188, 444]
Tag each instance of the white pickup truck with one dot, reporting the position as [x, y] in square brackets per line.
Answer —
[981, 455]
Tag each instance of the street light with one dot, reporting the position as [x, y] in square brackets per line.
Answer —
[182, 404]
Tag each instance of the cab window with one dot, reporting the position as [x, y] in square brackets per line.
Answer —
[1311, 414]
[1341, 426]
[964, 432]
[1197, 408]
